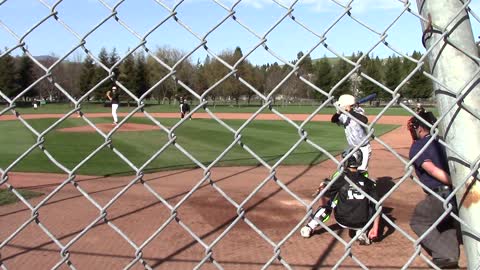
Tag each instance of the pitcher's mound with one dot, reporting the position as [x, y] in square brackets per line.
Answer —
[107, 127]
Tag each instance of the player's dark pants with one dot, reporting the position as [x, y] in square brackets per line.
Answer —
[442, 241]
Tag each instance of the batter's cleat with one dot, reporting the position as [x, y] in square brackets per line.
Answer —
[363, 239]
[306, 232]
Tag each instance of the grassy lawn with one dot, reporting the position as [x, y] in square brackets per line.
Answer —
[94, 108]
[7, 197]
[206, 140]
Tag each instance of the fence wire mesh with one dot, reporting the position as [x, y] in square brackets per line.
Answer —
[173, 14]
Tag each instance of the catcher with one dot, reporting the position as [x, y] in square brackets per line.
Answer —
[351, 208]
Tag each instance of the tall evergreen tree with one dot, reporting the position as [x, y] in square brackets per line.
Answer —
[8, 75]
[371, 67]
[113, 58]
[324, 76]
[200, 81]
[101, 74]
[356, 56]
[306, 66]
[297, 87]
[341, 70]
[87, 75]
[141, 75]
[418, 86]
[25, 76]
[393, 74]
[237, 89]
[127, 73]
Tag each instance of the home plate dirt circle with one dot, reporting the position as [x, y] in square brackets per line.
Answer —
[108, 127]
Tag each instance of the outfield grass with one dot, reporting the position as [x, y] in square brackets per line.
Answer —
[204, 139]
[7, 197]
[308, 109]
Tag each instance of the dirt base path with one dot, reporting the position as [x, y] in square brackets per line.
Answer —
[138, 214]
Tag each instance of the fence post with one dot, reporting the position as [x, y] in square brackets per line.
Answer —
[457, 73]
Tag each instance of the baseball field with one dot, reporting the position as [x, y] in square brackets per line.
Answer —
[205, 201]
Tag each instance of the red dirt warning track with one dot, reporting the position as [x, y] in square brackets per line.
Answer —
[138, 214]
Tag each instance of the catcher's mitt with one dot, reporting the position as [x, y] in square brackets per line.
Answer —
[322, 185]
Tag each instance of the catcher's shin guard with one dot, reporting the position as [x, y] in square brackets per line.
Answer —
[321, 216]
[323, 213]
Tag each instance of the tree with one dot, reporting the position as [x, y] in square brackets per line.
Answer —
[25, 76]
[168, 88]
[87, 75]
[68, 75]
[296, 87]
[418, 86]
[141, 76]
[214, 71]
[370, 67]
[324, 76]
[306, 66]
[274, 76]
[101, 74]
[255, 78]
[200, 78]
[113, 58]
[127, 73]
[341, 69]
[393, 74]
[237, 88]
[46, 88]
[8, 75]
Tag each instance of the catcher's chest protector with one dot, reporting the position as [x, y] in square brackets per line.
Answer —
[352, 207]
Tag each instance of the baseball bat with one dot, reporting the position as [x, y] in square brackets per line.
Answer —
[367, 98]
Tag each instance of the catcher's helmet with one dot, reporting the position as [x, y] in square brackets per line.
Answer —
[415, 122]
[355, 160]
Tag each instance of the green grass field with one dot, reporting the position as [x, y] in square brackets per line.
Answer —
[7, 197]
[95, 108]
[204, 139]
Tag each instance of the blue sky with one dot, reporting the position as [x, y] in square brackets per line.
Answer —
[286, 40]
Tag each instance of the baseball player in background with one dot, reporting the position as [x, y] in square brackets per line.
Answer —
[354, 132]
[185, 108]
[419, 108]
[182, 114]
[352, 209]
[114, 98]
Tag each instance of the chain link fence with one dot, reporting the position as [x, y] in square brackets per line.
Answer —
[458, 103]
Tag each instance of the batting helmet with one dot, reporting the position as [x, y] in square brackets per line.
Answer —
[355, 160]
[345, 100]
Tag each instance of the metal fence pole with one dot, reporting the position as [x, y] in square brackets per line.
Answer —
[453, 56]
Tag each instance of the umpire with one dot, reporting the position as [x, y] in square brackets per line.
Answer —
[431, 168]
